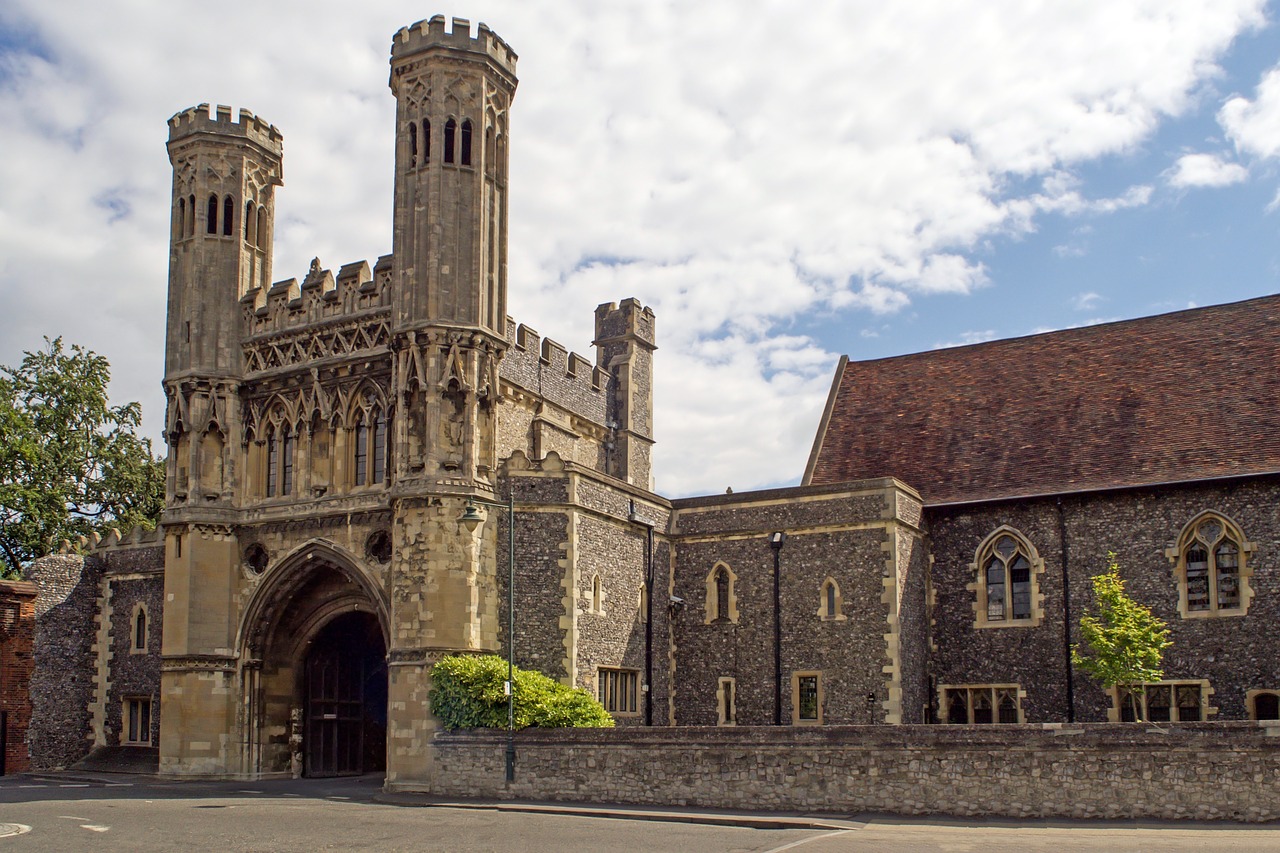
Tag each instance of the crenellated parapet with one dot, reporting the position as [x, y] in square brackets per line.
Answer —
[326, 314]
[197, 120]
[617, 324]
[428, 34]
[544, 367]
[138, 537]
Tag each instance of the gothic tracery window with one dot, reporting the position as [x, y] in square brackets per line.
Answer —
[211, 225]
[1211, 568]
[1007, 566]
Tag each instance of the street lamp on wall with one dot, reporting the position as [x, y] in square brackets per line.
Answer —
[472, 518]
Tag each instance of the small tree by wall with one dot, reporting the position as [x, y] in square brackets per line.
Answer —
[1122, 645]
[468, 693]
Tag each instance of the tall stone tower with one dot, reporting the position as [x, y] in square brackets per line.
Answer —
[224, 177]
[448, 316]
[449, 304]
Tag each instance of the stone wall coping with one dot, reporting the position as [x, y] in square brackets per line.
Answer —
[22, 589]
[1205, 735]
[850, 487]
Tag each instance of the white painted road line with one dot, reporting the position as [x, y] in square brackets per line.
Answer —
[8, 829]
[95, 827]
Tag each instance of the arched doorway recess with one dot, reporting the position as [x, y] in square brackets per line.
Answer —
[345, 706]
[315, 673]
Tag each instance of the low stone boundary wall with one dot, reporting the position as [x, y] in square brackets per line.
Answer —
[1200, 771]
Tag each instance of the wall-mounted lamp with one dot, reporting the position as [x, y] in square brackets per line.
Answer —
[471, 517]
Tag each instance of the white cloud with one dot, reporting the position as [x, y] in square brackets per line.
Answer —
[967, 338]
[1087, 301]
[1205, 170]
[1254, 125]
[737, 166]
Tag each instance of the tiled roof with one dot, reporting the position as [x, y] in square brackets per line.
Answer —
[1184, 396]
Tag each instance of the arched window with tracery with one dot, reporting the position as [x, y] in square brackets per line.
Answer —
[228, 216]
[1007, 570]
[426, 140]
[261, 238]
[180, 220]
[191, 215]
[1212, 568]
[211, 214]
[413, 144]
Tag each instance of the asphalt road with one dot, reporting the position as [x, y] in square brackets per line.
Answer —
[142, 815]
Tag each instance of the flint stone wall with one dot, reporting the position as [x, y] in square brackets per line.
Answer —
[1189, 771]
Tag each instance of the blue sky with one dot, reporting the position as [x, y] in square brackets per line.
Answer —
[864, 178]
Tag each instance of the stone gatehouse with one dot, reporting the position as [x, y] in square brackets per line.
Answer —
[327, 436]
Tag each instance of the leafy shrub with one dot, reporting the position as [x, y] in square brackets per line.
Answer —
[467, 693]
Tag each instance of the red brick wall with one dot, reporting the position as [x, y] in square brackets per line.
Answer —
[17, 629]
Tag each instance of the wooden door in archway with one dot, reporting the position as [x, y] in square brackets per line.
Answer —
[346, 699]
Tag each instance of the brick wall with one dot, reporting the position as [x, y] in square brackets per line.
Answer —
[1198, 771]
[17, 630]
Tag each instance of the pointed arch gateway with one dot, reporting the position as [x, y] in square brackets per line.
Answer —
[313, 645]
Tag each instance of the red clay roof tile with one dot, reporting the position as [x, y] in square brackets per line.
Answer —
[1184, 396]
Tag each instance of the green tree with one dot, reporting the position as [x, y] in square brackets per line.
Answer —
[468, 692]
[1123, 643]
[70, 462]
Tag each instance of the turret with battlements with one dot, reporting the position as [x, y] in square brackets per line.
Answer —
[625, 342]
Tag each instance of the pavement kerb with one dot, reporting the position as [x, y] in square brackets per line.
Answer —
[755, 820]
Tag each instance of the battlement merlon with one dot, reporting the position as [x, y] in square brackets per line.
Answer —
[425, 35]
[627, 322]
[197, 120]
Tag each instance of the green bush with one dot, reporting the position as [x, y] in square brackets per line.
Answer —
[467, 693]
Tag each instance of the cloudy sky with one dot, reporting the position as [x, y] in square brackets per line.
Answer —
[783, 183]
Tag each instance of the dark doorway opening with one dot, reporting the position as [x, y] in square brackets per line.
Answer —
[346, 690]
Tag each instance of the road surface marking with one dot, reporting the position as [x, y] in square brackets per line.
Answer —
[8, 829]
[94, 827]
[807, 840]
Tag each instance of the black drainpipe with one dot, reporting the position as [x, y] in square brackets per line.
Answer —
[648, 630]
[1066, 614]
[648, 615]
[775, 542]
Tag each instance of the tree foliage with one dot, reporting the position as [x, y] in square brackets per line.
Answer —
[1123, 644]
[70, 462]
[468, 693]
